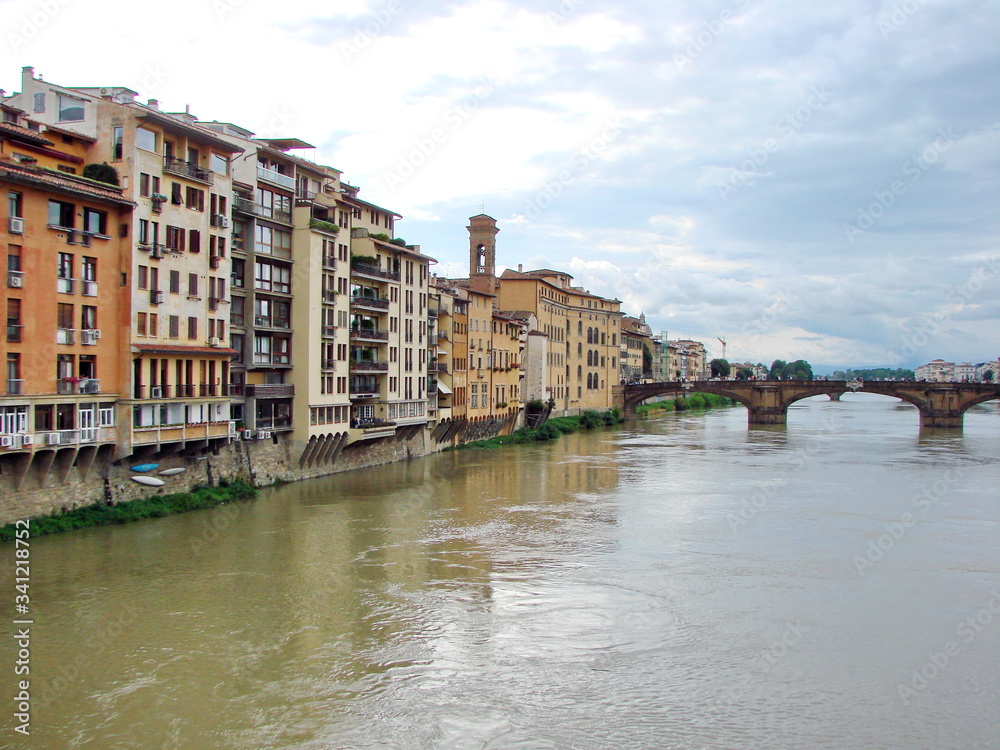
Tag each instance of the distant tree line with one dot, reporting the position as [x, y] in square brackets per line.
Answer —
[797, 370]
[873, 373]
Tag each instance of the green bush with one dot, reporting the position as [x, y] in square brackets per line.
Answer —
[548, 431]
[102, 173]
[590, 420]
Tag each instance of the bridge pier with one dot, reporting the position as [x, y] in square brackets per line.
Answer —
[767, 415]
[940, 419]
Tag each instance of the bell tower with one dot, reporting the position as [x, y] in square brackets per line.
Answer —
[483, 252]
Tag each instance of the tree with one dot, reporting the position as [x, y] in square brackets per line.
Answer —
[647, 361]
[778, 368]
[744, 373]
[719, 368]
[800, 370]
[102, 173]
[988, 376]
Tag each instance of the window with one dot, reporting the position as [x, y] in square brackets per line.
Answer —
[39, 103]
[219, 164]
[71, 109]
[95, 222]
[117, 143]
[65, 268]
[174, 284]
[143, 231]
[89, 269]
[176, 194]
[195, 199]
[173, 326]
[142, 277]
[175, 238]
[145, 139]
[15, 205]
[144, 184]
[192, 328]
[194, 241]
[61, 214]
[192, 285]
[270, 278]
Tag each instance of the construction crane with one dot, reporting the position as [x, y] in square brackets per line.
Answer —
[723, 342]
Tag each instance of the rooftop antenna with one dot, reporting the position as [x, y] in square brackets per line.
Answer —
[723, 342]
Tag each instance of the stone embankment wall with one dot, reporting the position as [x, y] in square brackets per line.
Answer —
[261, 462]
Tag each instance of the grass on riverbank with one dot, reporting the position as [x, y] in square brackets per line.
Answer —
[148, 507]
[550, 430]
[692, 401]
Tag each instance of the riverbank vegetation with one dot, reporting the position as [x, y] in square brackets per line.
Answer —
[692, 401]
[100, 514]
[549, 430]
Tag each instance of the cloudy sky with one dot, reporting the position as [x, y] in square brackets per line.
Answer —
[805, 180]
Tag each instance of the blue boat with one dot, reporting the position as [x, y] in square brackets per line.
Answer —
[145, 467]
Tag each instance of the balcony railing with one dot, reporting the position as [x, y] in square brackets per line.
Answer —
[89, 288]
[329, 261]
[264, 321]
[15, 387]
[432, 312]
[65, 286]
[65, 335]
[371, 303]
[363, 366]
[329, 295]
[368, 334]
[270, 390]
[271, 358]
[187, 169]
[250, 207]
[375, 272]
[274, 176]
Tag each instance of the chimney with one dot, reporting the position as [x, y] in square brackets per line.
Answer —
[153, 104]
[520, 268]
[27, 76]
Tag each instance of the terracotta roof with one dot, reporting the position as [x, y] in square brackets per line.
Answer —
[59, 181]
[19, 132]
[174, 348]
[67, 131]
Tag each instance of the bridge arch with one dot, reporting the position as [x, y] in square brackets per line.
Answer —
[767, 402]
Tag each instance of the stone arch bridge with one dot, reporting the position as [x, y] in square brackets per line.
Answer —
[767, 401]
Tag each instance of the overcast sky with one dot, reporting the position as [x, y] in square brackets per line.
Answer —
[805, 180]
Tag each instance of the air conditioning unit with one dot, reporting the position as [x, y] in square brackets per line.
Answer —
[15, 225]
[215, 341]
[95, 332]
[52, 438]
[221, 221]
[157, 251]
[156, 297]
[28, 439]
[6, 441]
[15, 280]
[17, 442]
[85, 239]
[156, 391]
[88, 338]
[248, 434]
[263, 434]
[90, 386]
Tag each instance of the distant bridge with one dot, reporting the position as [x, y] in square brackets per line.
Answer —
[767, 401]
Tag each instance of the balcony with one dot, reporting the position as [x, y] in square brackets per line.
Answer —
[329, 332]
[370, 366]
[373, 272]
[272, 358]
[65, 335]
[14, 334]
[432, 312]
[270, 390]
[65, 286]
[248, 206]
[88, 288]
[441, 367]
[186, 169]
[329, 261]
[364, 386]
[15, 387]
[369, 303]
[264, 321]
[171, 433]
[368, 334]
[324, 226]
[275, 177]
[329, 296]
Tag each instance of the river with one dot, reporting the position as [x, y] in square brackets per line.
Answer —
[685, 582]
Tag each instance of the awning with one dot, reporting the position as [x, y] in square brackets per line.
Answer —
[442, 388]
